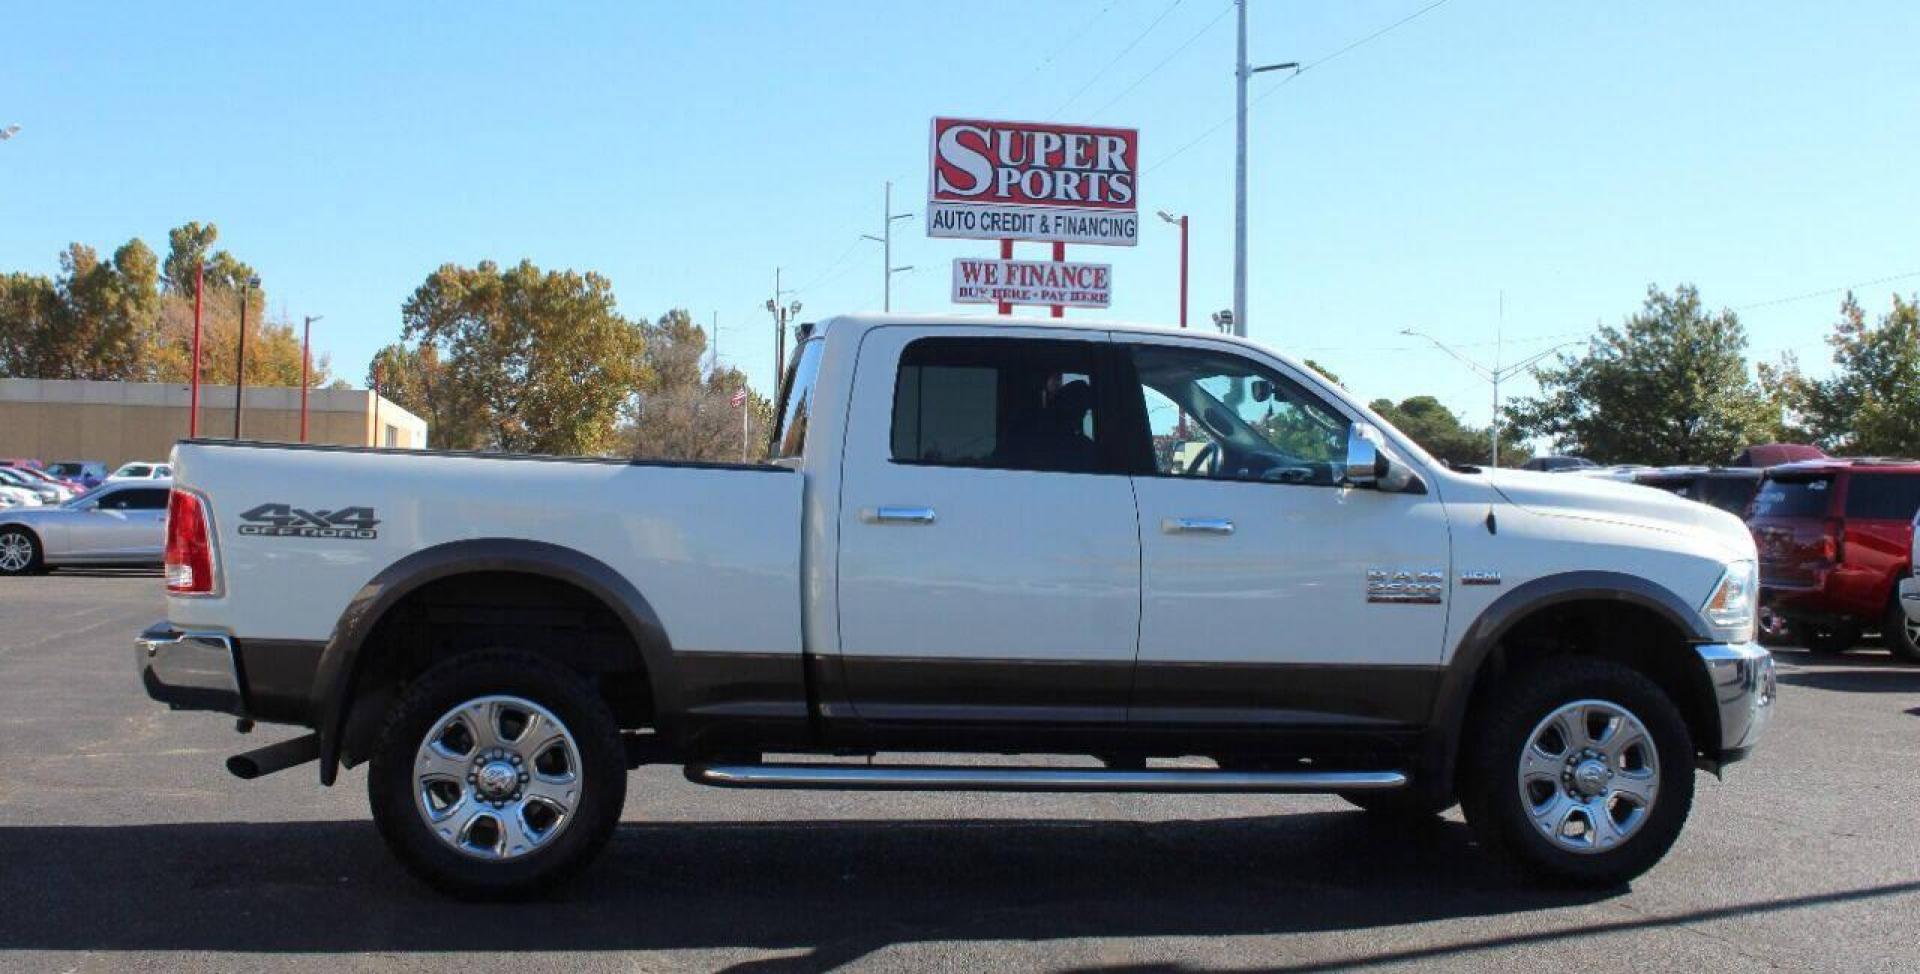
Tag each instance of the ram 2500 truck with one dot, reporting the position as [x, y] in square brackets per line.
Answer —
[999, 536]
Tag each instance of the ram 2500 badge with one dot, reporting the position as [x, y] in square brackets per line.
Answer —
[972, 537]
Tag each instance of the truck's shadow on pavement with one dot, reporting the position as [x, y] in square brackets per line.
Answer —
[822, 893]
[835, 890]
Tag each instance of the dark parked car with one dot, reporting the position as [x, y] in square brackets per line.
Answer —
[1557, 464]
[1730, 489]
[1834, 539]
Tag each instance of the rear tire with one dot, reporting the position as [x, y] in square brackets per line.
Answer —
[1828, 638]
[488, 718]
[20, 553]
[1608, 765]
[1901, 634]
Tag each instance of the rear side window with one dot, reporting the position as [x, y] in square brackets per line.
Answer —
[1883, 496]
[140, 499]
[1007, 403]
[1793, 497]
[790, 437]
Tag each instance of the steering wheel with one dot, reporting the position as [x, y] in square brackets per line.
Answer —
[1201, 459]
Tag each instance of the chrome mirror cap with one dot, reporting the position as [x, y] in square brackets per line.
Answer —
[1362, 466]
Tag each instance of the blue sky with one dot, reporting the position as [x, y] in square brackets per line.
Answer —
[1566, 154]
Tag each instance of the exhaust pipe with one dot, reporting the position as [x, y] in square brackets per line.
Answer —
[275, 757]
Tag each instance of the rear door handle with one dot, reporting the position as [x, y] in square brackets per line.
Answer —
[898, 515]
[1197, 525]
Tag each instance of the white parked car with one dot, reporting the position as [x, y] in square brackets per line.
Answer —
[1002, 535]
[141, 470]
[11, 496]
[114, 524]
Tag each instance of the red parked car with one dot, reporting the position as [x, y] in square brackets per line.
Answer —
[1835, 538]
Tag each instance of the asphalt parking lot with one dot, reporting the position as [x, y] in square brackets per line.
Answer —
[125, 845]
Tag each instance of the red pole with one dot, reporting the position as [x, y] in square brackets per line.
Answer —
[1183, 272]
[1006, 253]
[193, 397]
[306, 342]
[1059, 257]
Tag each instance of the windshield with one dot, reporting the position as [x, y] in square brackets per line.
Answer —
[1796, 497]
[134, 470]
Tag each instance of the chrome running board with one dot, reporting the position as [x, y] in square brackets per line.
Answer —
[960, 778]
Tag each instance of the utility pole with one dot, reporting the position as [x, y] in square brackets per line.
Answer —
[715, 316]
[780, 314]
[306, 356]
[1241, 72]
[1495, 375]
[1181, 222]
[240, 367]
[885, 240]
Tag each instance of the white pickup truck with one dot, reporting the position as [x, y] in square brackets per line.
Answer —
[986, 536]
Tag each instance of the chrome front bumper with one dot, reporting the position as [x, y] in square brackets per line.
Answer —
[189, 670]
[1741, 675]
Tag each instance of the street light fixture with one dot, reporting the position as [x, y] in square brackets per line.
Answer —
[1495, 374]
[9, 132]
[1223, 320]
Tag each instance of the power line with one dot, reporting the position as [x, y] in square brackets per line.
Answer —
[1097, 75]
[1163, 61]
[1827, 291]
[1071, 39]
[1368, 39]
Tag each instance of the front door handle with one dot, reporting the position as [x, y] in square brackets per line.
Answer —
[1197, 525]
[898, 515]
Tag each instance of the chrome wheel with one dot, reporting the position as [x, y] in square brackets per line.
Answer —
[1589, 775]
[497, 777]
[16, 552]
[1913, 631]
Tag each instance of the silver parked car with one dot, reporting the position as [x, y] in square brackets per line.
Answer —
[121, 523]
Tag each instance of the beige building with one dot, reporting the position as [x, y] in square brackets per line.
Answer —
[114, 422]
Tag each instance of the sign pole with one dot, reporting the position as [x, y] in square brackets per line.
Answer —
[1006, 253]
[1059, 257]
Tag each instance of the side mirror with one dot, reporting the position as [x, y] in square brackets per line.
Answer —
[1262, 390]
[1369, 464]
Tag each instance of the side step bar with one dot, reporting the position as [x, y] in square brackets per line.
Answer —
[954, 778]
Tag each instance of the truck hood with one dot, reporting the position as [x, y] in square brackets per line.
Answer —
[1616, 502]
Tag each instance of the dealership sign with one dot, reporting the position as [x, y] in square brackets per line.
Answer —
[1034, 181]
[1062, 284]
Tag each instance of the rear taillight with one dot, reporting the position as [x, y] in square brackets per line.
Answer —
[1833, 544]
[189, 546]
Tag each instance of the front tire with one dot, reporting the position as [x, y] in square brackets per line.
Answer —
[1580, 771]
[1900, 633]
[20, 553]
[498, 774]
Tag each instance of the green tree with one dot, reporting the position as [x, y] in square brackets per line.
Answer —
[187, 246]
[1670, 385]
[1871, 403]
[542, 359]
[1440, 432]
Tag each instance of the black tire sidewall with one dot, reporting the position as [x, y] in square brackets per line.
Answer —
[1492, 796]
[390, 779]
[1893, 632]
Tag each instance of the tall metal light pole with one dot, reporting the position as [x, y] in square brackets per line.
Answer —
[306, 344]
[193, 387]
[885, 240]
[240, 367]
[1241, 72]
[1495, 375]
[1181, 222]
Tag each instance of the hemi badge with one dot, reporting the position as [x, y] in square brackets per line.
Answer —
[1480, 578]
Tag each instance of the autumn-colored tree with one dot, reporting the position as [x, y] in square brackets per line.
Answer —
[538, 361]
[685, 411]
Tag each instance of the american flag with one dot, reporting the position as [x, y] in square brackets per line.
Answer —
[739, 399]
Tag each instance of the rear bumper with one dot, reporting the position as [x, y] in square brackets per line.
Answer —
[189, 670]
[1742, 678]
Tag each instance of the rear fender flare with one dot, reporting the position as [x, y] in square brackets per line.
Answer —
[339, 666]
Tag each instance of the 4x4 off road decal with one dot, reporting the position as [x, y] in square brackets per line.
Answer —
[286, 521]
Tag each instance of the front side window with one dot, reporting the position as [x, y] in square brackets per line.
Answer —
[1216, 415]
[1006, 403]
